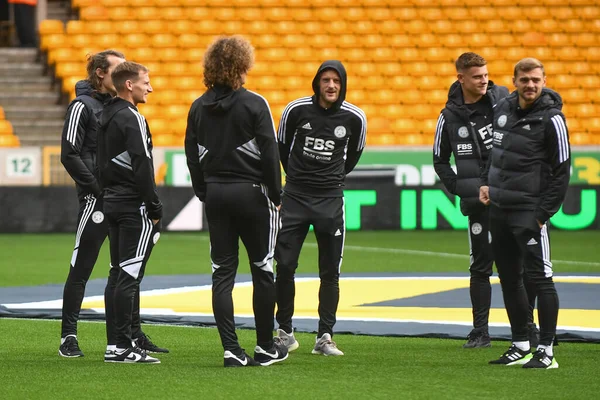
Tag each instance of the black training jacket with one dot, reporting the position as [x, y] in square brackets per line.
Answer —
[78, 143]
[230, 137]
[465, 133]
[529, 167]
[320, 146]
[126, 168]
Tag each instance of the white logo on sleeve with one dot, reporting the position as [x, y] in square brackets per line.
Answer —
[502, 121]
[339, 132]
[463, 132]
[476, 228]
[527, 127]
[156, 237]
[338, 233]
[532, 242]
[307, 126]
[98, 217]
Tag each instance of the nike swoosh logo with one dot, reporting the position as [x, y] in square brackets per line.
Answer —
[274, 355]
[243, 362]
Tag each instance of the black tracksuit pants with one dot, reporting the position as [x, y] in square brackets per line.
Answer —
[92, 229]
[481, 268]
[522, 248]
[243, 211]
[326, 215]
[132, 237]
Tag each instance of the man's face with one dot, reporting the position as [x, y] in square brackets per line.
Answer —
[529, 85]
[330, 85]
[474, 81]
[140, 88]
[105, 77]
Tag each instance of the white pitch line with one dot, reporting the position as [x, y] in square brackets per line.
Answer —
[439, 254]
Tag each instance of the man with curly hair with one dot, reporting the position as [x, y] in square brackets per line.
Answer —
[321, 139]
[231, 151]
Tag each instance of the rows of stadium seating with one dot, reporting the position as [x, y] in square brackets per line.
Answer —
[399, 53]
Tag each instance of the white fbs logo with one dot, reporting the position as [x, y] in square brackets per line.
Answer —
[318, 149]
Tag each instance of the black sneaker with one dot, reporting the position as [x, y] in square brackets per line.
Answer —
[70, 348]
[144, 343]
[514, 356]
[277, 353]
[533, 333]
[477, 339]
[132, 355]
[541, 360]
[231, 360]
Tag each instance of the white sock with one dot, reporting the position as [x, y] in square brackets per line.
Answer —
[62, 340]
[523, 345]
[111, 347]
[548, 349]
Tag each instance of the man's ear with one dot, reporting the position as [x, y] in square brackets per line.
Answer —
[460, 77]
[129, 85]
[100, 73]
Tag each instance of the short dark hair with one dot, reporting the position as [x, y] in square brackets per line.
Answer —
[528, 64]
[226, 60]
[468, 60]
[126, 71]
[99, 60]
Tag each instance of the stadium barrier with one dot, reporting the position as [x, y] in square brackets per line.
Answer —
[373, 202]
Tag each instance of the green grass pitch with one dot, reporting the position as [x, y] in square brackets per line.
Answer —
[373, 367]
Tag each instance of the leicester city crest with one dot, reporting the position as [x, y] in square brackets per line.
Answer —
[339, 131]
[502, 121]
[463, 132]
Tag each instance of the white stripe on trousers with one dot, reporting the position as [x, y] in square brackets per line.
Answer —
[85, 216]
[546, 251]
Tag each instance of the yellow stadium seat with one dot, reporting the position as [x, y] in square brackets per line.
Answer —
[588, 12]
[566, 53]
[438, 54]
[391, 69]
[2, 115]
[593, 25]
[6, 128]
[400, 40]
[503, 39]
[562, 81]
[573, 25]
[405, 126]
[410, 97]
[364, 27]
[390, 27]
[592, 125]
[592, 54]
[532, 39]
[495, 26]
[379, 125]
[9, 141]
[63, 70]
[416, 27]
[107, 41]
[452, 40]
[52, 41]
[51, 26]
[575, 95]
[404, 13]
[438, 97]
[93, 13]
[142, 55]
[585, 39]
[383, 54]
[425, 40]
[486, 14]
[163, 40]
[401, 82]
[406, 54]
[445, 69]
[306, 14]
[355, 14]
[431, 13]
[590, 81]
[519, 26]
[477, 40]
[83, 3]
[457, 14]
[379, 14]
[150, 110]
[286, 27]
[548, 26]
[64, 55]
[442, 26]
[541, 53]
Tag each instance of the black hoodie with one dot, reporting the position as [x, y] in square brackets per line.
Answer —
[126, 169]
[319, 146]
[529, 167]
[78, 143]
[230, 137]
[465, 131]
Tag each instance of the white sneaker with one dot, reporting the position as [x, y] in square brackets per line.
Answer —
[287, 339]
[326, 346]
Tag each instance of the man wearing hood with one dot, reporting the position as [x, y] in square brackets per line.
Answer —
[78, 155]
[525, 183]
[321, 139]
[464, 129]
[131, 204]
[231, 151]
